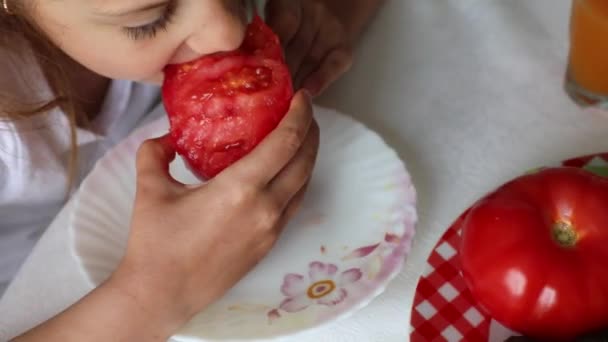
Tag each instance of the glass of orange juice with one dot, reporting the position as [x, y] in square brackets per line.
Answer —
[587, 75]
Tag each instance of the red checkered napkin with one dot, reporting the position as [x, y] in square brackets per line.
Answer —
[444, 309]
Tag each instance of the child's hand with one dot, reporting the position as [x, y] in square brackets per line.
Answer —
[317, 44]
[188, 246]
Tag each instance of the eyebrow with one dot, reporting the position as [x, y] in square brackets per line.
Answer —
[135, 10]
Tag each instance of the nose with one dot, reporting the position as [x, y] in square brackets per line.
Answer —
[220, 27]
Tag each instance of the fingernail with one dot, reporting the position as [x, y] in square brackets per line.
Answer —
[311, 88]
[307, 94]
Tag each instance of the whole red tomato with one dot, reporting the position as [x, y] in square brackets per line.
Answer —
[221, 106]
[534, 253]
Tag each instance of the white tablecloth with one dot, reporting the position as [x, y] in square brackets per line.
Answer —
[470, 94]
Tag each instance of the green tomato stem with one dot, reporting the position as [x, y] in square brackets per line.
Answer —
[564, 234]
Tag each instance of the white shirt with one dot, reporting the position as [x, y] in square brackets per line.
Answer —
[34, 156]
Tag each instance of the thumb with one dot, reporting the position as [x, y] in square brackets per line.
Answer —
[152, 164]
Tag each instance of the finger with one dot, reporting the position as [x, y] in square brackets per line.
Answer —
[271, 155]
[284, 17]
[298, 171]
[301, 44]
[292, 208]
[337, 62]
[330, 36]
[152, 164]
[311, 62]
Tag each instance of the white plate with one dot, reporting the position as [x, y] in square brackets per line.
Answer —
[348, 241]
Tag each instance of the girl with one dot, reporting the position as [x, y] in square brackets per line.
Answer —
[78, 75]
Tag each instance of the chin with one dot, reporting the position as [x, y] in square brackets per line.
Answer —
[155, 79]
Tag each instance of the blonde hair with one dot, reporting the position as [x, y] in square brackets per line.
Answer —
[16, 27]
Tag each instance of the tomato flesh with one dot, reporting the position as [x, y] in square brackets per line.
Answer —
[222, 105]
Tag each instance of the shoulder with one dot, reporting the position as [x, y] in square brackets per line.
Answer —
[33, 152]
[22, 141]
[32, 149]
[21, 86]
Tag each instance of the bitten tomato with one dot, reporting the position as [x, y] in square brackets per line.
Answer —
[534, 253]
[222, 105]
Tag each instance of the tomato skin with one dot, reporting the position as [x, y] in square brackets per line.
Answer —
[260, 40]
[515, 267]
[222, 105]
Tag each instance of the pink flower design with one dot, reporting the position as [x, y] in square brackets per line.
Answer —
[392, 239]
[323, 286]
[273, 315]
[390, 242]
[361, 252]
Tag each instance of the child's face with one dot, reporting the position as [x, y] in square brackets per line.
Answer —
[135, 39]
